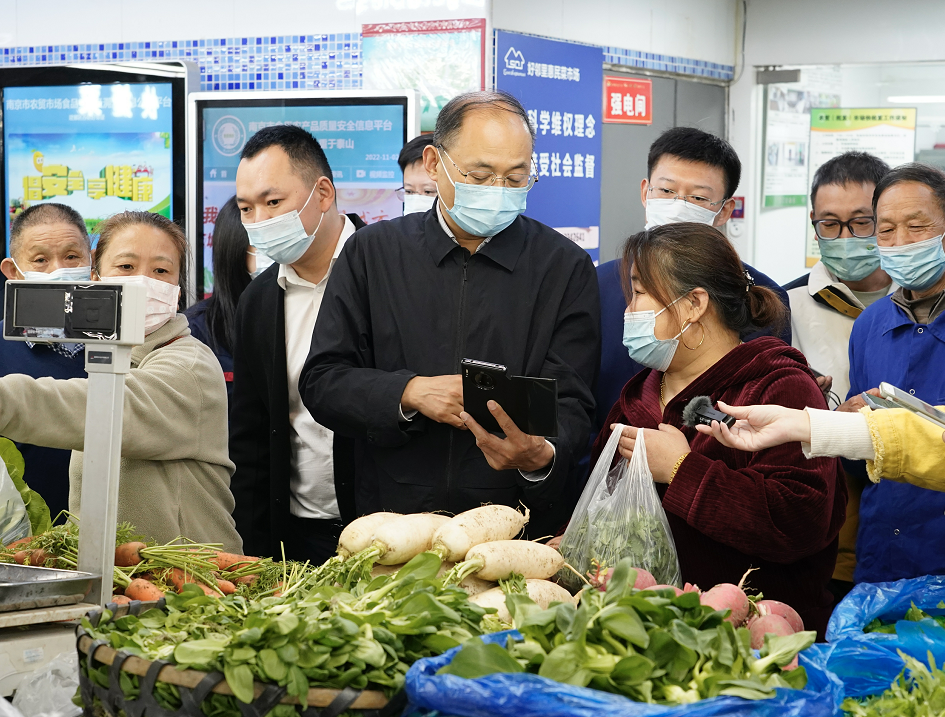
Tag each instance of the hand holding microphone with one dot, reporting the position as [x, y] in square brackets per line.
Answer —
[755, 428]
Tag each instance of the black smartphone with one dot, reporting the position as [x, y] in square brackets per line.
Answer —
[531, 403]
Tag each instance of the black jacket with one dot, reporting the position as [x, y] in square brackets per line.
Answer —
[404, 300]
[259, 421]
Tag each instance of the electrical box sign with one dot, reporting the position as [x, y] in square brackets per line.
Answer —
[628, 101]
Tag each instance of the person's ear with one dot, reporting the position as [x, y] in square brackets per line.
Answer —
[728, 206]
[325, 189]
[431, 161]
[644, 186]
[698, 305]
[9, 268]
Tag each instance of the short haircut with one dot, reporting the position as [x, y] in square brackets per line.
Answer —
[694, 145]
[46, 213]
[449, 122]
[931, 177]
[413, 150]
[848, 168]
[305, 153]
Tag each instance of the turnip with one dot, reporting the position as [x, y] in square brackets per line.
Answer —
[359, 534]
[773, 607]
[645, 579]
[480, 525]
[761, 626]
[403, 538]
[499, 559]
[542, 593]
[666, 587]
[727, 597]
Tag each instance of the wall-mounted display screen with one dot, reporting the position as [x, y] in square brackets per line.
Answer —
[100, 149]
[361, 136]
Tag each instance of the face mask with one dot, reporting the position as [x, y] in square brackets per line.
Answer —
[914, 266]
[161, 299]
[850, 259]
[674, 211]
[263, 262]
[482, 210]
[283, 239]
[76, 274]
[416, 203]
[639, 338]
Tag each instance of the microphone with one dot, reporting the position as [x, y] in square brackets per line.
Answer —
[700, 410]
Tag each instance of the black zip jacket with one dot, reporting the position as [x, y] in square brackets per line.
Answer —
[404, 300]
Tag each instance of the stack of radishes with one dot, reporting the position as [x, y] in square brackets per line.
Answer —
[759, 616]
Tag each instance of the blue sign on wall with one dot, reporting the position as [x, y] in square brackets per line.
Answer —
[560, 84]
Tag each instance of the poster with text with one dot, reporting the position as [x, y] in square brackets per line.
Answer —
[100, 149]
[560, 84]
[885, 132]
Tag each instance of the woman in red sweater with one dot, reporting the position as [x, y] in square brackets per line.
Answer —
[690, 300]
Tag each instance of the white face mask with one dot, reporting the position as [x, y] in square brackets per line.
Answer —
[416, 203]
[67, 273]
[161, 301]
[263, 262]
[283, 238]
[675, 211]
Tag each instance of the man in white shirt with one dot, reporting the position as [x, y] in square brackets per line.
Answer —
[293, 481]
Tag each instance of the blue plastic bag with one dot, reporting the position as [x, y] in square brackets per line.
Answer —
[526, 695]
[867, 601]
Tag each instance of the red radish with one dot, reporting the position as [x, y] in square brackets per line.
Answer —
[666, 587]
[120, 599]
[645, 579]
[690, 588]
[141, 589]
[773, 607]
[727, 597]
[791, 665]
[769, 624]
[128, 554]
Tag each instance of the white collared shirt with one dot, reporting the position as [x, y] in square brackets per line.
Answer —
[311, 466]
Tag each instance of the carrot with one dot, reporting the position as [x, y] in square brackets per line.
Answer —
[479, 525]
[141, 589]
[207, 590]
[176, 576]
[21, 541]
[128, 554]
[40, 557]
[20, 557]
[179, 579]
[226, 587]
[120, 599]
[226, 561]
[247, 579]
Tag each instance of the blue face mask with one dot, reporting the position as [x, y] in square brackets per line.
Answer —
[639, 338]
[915, 266]
[850, 259]
[484, 210]
[283, 238]
[75, 274]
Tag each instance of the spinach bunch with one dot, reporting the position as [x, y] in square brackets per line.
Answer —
[913, 614]
[650, 646]
[922, 694]
[365, 637]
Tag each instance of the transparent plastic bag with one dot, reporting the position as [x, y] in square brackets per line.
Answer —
[14, 520]
[619, 515]
[48, 692]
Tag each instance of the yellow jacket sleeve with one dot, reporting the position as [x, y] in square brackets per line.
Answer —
[909, 449]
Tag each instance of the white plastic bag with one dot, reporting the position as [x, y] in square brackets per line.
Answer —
[14, 520]
[48, 692]
[620, 516]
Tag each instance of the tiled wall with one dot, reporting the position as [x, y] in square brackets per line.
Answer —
[314, 62]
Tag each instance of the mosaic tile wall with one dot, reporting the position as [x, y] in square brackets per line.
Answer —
[313, 62]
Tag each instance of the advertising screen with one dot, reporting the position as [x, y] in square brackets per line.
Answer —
[362, 138]
[100, 149]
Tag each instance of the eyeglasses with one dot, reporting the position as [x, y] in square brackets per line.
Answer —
[860, 227]
[402, 192]
[517, 181]
[704, 202]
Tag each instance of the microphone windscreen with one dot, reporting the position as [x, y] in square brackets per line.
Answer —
[689, 414]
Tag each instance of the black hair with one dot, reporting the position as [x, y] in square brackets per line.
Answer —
[46, 213]
[413, 151]
[671, 260]
[848, 168]
[305, 153]
[230, 275]
[931, 177]
[450, 120]
[694, 145]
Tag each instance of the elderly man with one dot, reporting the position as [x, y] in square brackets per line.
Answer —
[900, 339]
[48, 242]
[409, 299]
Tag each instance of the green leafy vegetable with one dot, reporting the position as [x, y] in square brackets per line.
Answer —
[36, 508]
[920, 694]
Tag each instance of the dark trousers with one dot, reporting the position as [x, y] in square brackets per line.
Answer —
[311, 539]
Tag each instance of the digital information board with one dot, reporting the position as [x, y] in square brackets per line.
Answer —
[101, 149]
[362, 138]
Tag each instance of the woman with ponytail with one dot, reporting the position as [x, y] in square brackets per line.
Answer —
[690, 301]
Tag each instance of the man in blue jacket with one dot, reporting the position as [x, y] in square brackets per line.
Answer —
[691, 177]
[900, 339]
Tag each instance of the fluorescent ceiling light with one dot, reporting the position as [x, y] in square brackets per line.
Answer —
[916, 99]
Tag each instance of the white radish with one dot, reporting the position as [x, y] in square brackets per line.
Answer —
[478, 525]
[542, 593]
[499, 559]
[403, 538]
[359, 533]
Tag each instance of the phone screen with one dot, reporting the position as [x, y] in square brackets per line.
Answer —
[905, 400]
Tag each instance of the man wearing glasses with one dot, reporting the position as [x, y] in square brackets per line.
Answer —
[409, 299]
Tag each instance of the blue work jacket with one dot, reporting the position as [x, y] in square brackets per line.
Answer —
[902, 527]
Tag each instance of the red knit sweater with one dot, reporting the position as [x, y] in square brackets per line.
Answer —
[730, 510]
